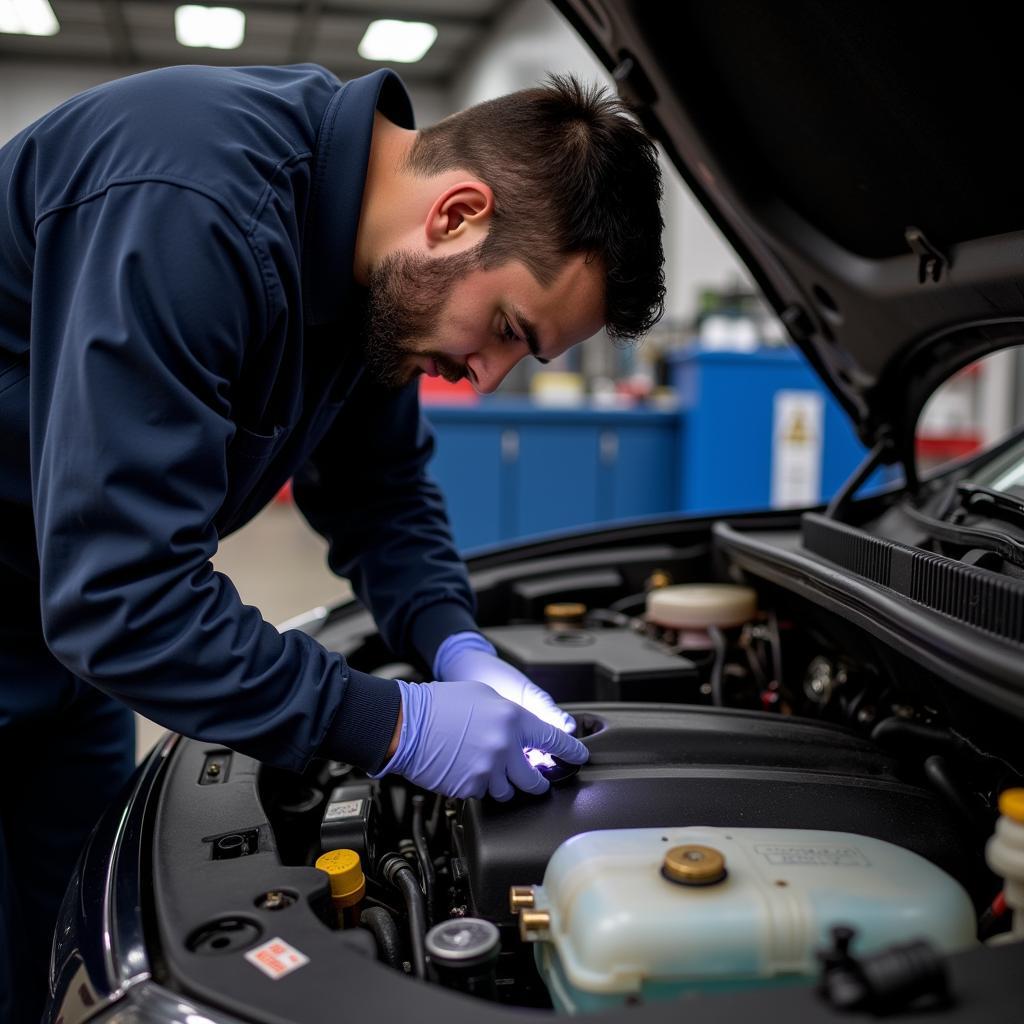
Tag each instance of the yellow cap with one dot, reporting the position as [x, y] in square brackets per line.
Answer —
[345, 871]
[564, 611]
[1011, 804]
[658, 579]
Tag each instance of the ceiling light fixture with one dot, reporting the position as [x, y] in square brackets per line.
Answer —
[220, 28]
[28, 18]
[402, 41]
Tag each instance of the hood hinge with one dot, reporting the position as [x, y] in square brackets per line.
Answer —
[932, 261]
[633, 85]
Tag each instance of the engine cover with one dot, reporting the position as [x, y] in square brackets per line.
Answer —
[659, 766]
[596, 665]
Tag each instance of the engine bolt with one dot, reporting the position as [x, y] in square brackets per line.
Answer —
[520, 897]
[532, 923]
[275, 900]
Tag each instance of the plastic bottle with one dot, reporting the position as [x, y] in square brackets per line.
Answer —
[1005, 856]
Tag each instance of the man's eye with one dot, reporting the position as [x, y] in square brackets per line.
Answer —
[508, 332]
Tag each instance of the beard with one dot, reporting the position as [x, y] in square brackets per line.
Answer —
[406, 295]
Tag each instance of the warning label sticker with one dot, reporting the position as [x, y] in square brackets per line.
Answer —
[343, 809]
[814, 856]
[276, 958]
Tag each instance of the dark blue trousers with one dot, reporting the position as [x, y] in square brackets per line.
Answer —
[65, 751]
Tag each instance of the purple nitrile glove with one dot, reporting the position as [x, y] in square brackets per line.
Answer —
[469, 656]
[462, 739]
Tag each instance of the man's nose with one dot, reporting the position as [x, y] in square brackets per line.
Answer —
[491, 365]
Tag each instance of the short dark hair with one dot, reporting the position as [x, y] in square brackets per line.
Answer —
[571, 172]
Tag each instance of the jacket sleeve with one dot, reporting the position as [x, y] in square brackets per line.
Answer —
[366, 490]
[145, 297]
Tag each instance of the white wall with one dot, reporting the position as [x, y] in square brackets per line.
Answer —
[30, 88]
[531, 39]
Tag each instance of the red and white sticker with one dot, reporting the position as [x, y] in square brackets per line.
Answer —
[275, 958]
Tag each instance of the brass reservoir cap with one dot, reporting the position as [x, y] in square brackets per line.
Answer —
[345, 871]
[1011, 805]
[566, 612]
[693, 865]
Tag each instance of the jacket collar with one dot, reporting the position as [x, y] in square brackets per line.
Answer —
[339, 175]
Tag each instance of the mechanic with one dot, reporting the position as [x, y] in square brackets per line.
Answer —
[214, 280]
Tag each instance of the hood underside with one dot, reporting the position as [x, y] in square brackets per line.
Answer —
[862, 160]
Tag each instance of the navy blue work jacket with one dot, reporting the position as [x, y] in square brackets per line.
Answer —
[179, 336]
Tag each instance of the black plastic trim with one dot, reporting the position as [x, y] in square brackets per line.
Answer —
[987, 667]
[967, 593]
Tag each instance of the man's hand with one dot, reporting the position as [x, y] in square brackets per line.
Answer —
[470, 656]
[463, 740]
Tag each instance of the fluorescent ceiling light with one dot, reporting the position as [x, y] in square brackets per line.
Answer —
[220, 28]
[28, 18]
[401, 41]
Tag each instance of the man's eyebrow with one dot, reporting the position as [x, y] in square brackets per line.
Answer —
[529, 332]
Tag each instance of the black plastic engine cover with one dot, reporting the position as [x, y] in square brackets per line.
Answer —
[600, 664]
[662, 765]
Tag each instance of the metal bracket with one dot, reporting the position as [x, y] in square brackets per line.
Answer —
[931, 261]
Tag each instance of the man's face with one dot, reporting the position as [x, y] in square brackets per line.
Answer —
[445, 316]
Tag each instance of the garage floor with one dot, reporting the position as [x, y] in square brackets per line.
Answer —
[278, 564]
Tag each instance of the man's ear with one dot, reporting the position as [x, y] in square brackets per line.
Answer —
[460, 210]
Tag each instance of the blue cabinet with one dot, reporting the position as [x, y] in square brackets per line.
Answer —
[469, 465]
[510, 469]
[647, 469]
[731, 443]
[557, 477]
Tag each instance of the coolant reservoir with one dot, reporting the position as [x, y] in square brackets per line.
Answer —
[655, 913]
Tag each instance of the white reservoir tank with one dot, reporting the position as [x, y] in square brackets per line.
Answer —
[656, 913]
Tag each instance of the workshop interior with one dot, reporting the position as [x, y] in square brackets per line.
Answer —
[771, 560]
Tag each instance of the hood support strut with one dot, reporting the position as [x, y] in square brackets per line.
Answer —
[844, 496]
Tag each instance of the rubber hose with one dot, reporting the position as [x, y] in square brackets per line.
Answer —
[419, 838]
[717, 666]
[895, 730]
[937, 772]
[435, 817]
[402, 877]
[381, 925]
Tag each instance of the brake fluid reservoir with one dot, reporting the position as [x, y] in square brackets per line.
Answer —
[700, 605]
[655, 913]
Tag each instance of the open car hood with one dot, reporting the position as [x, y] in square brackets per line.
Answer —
[862, 160]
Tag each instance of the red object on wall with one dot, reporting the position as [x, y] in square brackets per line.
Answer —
[948, 447]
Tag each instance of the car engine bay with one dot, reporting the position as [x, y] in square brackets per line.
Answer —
[771, 789]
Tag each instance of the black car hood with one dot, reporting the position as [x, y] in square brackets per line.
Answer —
[862, 159]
